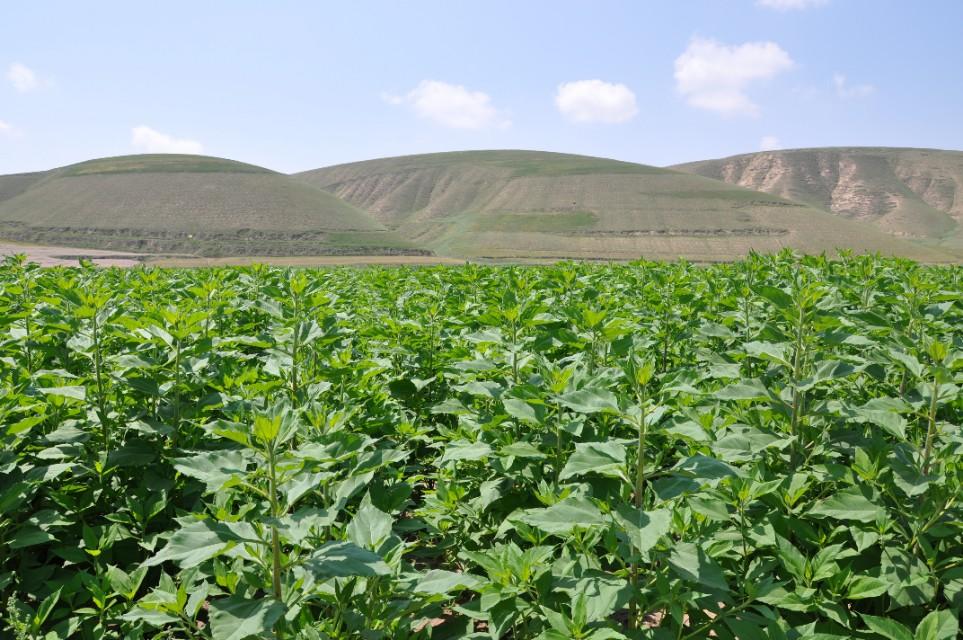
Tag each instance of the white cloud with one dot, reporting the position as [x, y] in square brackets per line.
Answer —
[790, 5]
[596, 101]
[714, 76]
[769, 143]
[846, 90]
[5, 128]
[451, 105]
[147, 140]
[22, 77]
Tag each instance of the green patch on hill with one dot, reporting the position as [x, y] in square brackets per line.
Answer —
[160, 163]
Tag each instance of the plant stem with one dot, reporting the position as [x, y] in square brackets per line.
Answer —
[275, 513]
[638, 501]
[931, 428]
[101, 407]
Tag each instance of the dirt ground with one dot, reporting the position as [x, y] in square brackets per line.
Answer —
[70, 256]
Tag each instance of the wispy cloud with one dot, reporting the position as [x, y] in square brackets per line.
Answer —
[791, 5]
[715, 76]
[148, 140]
[769, 143]
[596, 101]
[23, 78]
[847, 91]
[5, 128]
[451, 105]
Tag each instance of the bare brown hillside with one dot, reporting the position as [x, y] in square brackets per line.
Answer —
[915, 193]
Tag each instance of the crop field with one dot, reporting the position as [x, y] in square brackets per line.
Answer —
[766, 449]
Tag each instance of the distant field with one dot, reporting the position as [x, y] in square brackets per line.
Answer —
[186, 205]
[496, 205]
[523, 204]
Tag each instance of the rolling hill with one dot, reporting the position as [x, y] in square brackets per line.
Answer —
[529, 204]
[183, 204]
[911, 193]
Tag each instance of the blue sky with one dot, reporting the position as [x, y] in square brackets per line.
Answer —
[299, 85]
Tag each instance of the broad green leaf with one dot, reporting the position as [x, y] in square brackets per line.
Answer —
[691, 563]
[370, 527]
[887, 628]
[465, 450]
[752, 389]
[25, 425]
[848, 504]
[778, 297]
[938, 625]
[562, 517]
[237, 617]
[344, 559]
[214, 468]
[644, 529]
[70, 393]
[590, 401]
[442, 582]
[30, 536]
[520, 409]
[866, 587]
[792, 558]
[603, 458]
[769, 351]
[198, 541]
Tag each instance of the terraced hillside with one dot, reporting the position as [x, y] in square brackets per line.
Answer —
[186, 205]
[916, 193]
[529, 204]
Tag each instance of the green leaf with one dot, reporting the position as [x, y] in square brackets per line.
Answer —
[370, 526]
[202, 540]
[938, 625]
[29, 536]
[520, 409]
[590, 401]
[71, 393]
[562, 517]
[465, 450]
[442, 582]
[25, 425]
[769, 351]
[866, 587]
[644, 529]
[603, 458]
[887, 628]
[521, 449]
[691, 563]
[848, 504]
[237, 617]
[776, 296]
[752, 389]
[214, 468]
[344, 559]
[792, 558]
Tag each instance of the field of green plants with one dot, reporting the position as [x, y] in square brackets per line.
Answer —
[765, 449]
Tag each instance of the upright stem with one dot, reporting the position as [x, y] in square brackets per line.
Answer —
[296, 348]
[558, 441]
[275, 513]
[931, 428]
[101, 407]
[796, 371]
[638, 501]
[28, 310]
[177, 388]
